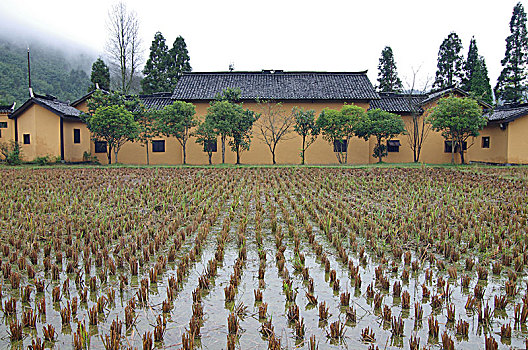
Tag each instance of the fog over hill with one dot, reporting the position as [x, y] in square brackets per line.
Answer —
[59, 67]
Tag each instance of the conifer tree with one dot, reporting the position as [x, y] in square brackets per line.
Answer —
[512, 83]
[476, 80]
[450, 63]
[156, 69]
[387, 73]
[100, 75]
[178, 61]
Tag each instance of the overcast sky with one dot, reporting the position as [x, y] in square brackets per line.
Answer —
[290, 35]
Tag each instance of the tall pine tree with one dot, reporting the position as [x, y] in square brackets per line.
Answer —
[100, 75]
[156, 69]
[178, 61]
[450, 63]
[512, 83]
[476, 80]
[387, 73]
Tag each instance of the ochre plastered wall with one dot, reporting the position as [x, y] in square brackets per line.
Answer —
[518, 141]
[498, 145]
[43, 126]
[73, 152]
[7, 134]
[288, 151]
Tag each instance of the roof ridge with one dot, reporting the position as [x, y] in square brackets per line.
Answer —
[275, 72]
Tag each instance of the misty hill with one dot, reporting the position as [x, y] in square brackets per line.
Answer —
[54, 72]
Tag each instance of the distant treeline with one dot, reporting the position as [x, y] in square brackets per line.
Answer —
[52, 72]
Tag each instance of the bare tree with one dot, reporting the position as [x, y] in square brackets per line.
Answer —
[275, 124]
[123, 46]
[417, 128]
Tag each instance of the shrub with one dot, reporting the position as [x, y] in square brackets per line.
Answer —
[11, 152]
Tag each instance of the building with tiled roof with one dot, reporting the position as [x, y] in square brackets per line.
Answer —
[59, 131]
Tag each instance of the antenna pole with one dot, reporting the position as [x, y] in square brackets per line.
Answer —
[29, 69]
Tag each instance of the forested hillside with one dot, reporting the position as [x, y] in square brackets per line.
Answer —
[52, 72]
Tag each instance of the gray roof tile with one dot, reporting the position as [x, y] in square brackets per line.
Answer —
[508, 113]
[398, 103]
[61, 107]
[156, 101]
[277, 85]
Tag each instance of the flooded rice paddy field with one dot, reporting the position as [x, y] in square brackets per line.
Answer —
[262, 258]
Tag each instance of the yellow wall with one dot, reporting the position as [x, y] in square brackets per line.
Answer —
[506, 146]
[7, 134]
[44, 129]
[287, 152]
[73, 152]
[518, 141]
[136, 153]
[498, 147]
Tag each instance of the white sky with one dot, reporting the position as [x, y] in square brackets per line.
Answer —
[290, 35]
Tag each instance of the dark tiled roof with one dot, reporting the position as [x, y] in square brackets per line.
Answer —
[398, 103]
[6, 109]
[61, 107]
[156, 101]
[508, 113]
[277, 85]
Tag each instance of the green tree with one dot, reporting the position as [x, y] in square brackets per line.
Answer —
[177, 120]
[115, 125]
[147, 120]
[156, 69]
[457, 119]
[306, 126]
[179, 61]
[241, 127]
[205, 135]
[383, 126]
[388, 79]
[450, 64]
[100, 75]
[105, 99]
[512, 85]
[476, 80]
[338, 127]
[221, 113]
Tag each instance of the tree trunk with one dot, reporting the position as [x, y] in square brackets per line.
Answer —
[148, 160]
[184, 154]
[462, 155]
[109, 154]
[238, 155]
[210, 156]
[379, 150]
[273, 156]
[453, 146]
[223, 148]
[303, 149]
[115, 155]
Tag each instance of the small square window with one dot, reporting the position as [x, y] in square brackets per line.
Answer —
[340, 146]
[27, 139]
[485, 142]
[210, 146]
[100, 146]
[76, 135]
[158, 145]
[3, 125]
[393, 145]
